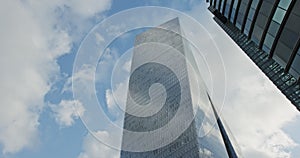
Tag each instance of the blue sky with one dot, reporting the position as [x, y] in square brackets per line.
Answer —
[40, 41]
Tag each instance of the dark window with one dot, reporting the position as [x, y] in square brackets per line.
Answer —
[257, 34]
[289, 38]
[296, 63]
[273, 28]
[269, 40]
[266, 8]
[293, 23]
[283, 52]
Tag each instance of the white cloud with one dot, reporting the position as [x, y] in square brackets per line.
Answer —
[92, 148]
[26, 67]
[66, 111]
[109, 99]
[256, 116]
[115, 99]
[279, 142]
[32, 37]
[89, 7]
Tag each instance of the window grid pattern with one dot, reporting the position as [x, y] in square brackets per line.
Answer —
[285, 82]
[295, 68]
[241, 13]
[233, 10]
[227, 7]
[289, 38]
[217, 4]
[274, 26]
[222, 5]
[250, 16]
[261, 20]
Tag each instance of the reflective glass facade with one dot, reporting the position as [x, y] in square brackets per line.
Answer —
[250, 16]
[156, 61]
[261, 21]
[270, 37]
[274, 26]
[296, 64]
[235, 3]
[227, 8]
[289, 36]
[241, 13]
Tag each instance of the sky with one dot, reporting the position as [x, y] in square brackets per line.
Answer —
[40, 41]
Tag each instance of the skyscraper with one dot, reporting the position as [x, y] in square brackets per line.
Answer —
[165, 113]
[268, 31]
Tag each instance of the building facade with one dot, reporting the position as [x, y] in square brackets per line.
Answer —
[268, 31]
[174, 129]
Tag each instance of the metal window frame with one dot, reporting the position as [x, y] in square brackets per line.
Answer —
[237, 11]
[293, 56]
[282, 25]
[224, 6]
[246, 16]
[215, 2]
[219, 5]
[254, 19]
[263, 36]
[230, 9]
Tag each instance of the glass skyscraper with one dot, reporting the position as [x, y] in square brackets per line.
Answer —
[164, 105]
[268, 31]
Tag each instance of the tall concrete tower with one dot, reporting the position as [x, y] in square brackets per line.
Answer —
[163, 116]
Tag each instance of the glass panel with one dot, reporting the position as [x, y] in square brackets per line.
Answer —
[251, 14]
[269, 40]
[227, 8]
[293, 23]
[239, 26]
[274, 26]
[266, 8]
[248, 24]
[289, 38]
[283, 52]
[266, 49]
[261, 20]
[279, 15]
[254, 3]
[296, 63]
[232, 15]
[246, 31]
[221, 9]
[217, 4]
[241, 15]
[297, 11]
[233, 10]
[284, 4]
[257, 34]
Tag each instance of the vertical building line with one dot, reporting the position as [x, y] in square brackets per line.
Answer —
[292, 57]
[224, 6]
[246, 15]
[263, 37]
[220, 2]
[237, 11]
[285, 18]
[254, 19]
[229, 147]
[230, 9]
[215, 2]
